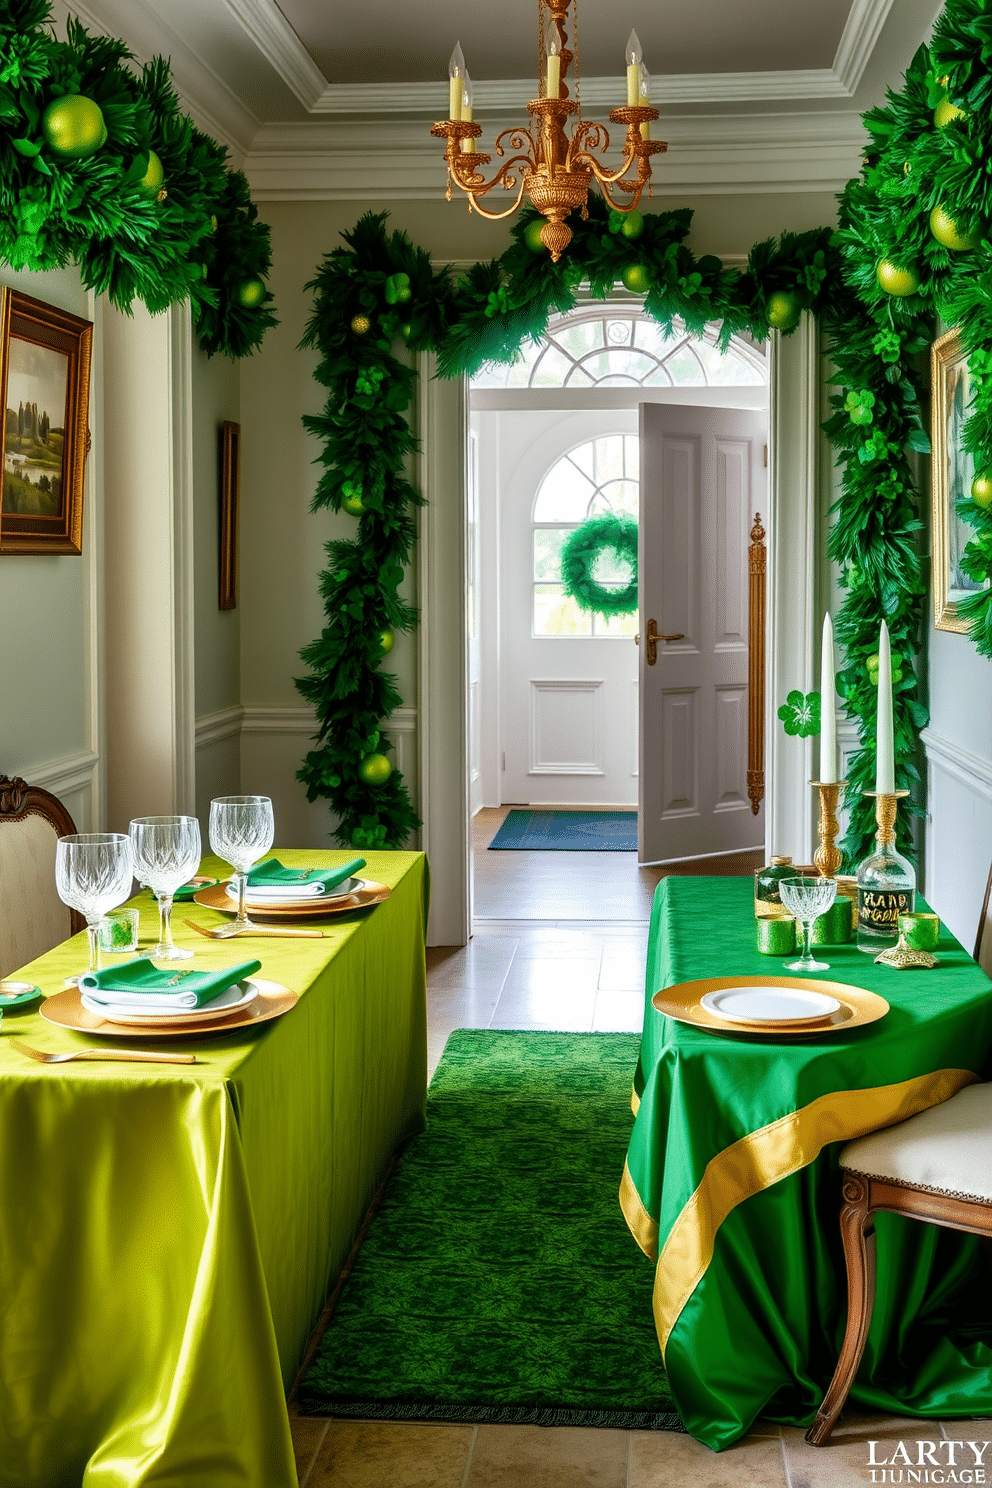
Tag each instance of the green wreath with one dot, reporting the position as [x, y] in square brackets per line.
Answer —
[580, 552]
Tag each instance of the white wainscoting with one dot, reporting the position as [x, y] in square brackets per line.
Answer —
[273, 742]
[217, 759]
[74, 780]
[566, 726]
[959, 833]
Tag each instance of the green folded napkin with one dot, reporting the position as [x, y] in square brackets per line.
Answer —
[185, 892]
[273, 875]
[141, 984]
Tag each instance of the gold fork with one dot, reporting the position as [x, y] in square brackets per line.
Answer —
[136, 1056]
[227, 932]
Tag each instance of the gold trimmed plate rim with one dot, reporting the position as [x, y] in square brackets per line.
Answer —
[858, 1007]
[299, 909]
[65, 1010]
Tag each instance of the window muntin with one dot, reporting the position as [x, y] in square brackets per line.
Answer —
[591, 348]
[597, 477]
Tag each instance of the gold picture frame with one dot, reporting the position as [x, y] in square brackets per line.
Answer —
[45, 356]
[952, 472]
[230, 491]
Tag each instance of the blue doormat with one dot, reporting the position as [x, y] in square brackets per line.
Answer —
[567, 831]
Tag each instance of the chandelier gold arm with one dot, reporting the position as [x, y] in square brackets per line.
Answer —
[554, 171]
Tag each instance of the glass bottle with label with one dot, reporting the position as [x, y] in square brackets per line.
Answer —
[886, 884]
[767, 898]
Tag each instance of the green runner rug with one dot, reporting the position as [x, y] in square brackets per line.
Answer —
[498, 1281]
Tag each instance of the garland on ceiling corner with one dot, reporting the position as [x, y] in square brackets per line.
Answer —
[100, 167]
[911, 244]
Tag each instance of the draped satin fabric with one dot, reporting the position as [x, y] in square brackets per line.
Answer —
[168, 1234]
[731, 1184]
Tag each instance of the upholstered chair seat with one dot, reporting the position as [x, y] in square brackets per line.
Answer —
[937, 1166]
[946, 1150]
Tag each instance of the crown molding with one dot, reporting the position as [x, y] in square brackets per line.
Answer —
[858, 41]
[709, 155]
[279, 44]
[226, 118]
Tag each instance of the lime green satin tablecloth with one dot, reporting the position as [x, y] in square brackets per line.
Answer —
[731, 1184]
[168, 1233]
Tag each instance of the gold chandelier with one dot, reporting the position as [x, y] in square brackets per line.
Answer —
[555, 170]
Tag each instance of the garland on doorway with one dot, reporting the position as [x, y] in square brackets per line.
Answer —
[615, 533]
[100, 167]
[874, 286]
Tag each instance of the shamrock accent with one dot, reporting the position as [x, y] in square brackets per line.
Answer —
[397, 290]
[801, 714]
[498, 302]
[367, 382]
[887, 345]
[859, 404]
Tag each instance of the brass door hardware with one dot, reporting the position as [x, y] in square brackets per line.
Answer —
[653, 637]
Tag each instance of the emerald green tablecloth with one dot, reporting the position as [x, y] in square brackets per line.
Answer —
[168, 1233]
[732, 1184]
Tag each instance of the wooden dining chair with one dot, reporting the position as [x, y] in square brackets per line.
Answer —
[937, 1166]
[983, 940]
[32, 916]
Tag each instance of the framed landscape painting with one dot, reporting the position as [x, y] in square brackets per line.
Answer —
[952, 472]
[45, 375]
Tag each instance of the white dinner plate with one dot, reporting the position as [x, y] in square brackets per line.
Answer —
[232, 998]
[291, 896]
[757, 1004]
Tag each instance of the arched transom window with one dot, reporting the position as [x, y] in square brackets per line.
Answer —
[600, 347]
[598, 476]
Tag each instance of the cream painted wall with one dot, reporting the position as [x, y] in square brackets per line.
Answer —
[49, 620]
[958, 745]
[282, 543]
[216, 384]
[216, 397]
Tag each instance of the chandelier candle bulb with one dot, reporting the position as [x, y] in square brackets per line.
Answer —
[552, 45]
[468, 144]
[828, 711]
[644, 99]
[634, 55]
[456, 74]
[885, 776]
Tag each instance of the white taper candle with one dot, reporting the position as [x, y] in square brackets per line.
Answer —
[885, 769]
[828, 707]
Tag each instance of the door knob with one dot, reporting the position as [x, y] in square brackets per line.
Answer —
[652, 636]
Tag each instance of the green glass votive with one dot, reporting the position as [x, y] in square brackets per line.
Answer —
[836, 926]
[775, 935]
[920, 931]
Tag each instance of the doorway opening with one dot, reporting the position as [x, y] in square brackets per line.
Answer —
[556, 694]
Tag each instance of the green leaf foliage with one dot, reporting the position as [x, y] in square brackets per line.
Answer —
[195, 237]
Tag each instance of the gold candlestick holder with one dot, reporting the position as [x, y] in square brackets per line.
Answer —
[828, 857]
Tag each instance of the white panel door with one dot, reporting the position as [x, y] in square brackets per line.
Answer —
[569, 701]
[702, 480]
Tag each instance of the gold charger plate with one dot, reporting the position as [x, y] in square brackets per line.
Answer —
[297, 909]
[67, 1011]
[858, 1007]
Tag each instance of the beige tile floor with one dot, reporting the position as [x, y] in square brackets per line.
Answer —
[555, 969]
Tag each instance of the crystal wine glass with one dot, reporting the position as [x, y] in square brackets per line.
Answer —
[807, 899]
[241, 832]
[93, 874]
[166, 853]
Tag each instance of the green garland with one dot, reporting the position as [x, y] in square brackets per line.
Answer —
[581, 551]
[876, 337]
[151, 212]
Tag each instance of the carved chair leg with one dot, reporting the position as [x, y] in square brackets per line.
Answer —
[858, 1234]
